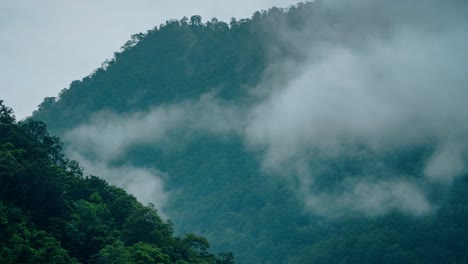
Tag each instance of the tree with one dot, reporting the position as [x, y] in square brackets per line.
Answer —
[225, 258]
[196, 20]
[142, 253]
[115, 253]
[6, 115]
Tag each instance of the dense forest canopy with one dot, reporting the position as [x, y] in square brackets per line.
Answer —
[51, 213]
[326, 132]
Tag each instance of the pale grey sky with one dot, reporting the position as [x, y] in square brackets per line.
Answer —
[44, 45]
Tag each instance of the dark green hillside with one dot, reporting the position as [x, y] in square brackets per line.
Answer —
[219, 185]
[50, 213]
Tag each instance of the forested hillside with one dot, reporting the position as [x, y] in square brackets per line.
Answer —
[51, 213]
[326, 132]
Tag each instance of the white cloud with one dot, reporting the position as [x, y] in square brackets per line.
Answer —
[146, 184]
[107, 135]
[399, 86]
[447, 163]
[370, 198]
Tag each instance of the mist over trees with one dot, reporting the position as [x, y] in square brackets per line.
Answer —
[51, 213]
[326, 132]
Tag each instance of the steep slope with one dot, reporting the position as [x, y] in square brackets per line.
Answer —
[50, 213]
[298, 135]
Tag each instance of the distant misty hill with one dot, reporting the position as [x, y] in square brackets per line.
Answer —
[326, 132]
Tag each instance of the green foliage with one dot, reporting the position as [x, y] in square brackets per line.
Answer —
[6, 115]
[146, 253]
[22, 242]
[49, 213]
[115, 253]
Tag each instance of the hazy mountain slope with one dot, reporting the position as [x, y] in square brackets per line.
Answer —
[330, 132]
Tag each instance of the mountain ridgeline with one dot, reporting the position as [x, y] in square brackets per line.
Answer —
[298, 135]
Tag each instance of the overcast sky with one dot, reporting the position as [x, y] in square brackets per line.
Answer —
[44, 45]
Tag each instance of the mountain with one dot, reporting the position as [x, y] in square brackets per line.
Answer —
[326, 132]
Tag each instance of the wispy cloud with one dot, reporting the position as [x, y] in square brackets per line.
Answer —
[108, 137]
[146, 184]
